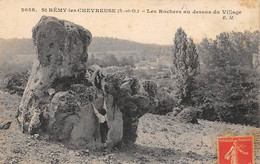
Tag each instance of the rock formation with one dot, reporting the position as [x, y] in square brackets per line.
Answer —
[56, 101]
[134, 99]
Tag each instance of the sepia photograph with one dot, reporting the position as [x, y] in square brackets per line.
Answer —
[129, 82]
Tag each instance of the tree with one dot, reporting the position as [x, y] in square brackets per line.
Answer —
[228, 95]
[143, 58]
[207, 51]
[91, 60]
[185, 66]
[227, 88]
[109, 60]
[131, 61]
[229, 49]
[127, 61]
[123, 61]
[112, 60]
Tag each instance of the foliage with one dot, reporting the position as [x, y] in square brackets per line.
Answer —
[127, 61]
[229, 49]
[92, 60]
[14, 76]
[185, 66]
[107, 44]
[228, 94]
[109, 60]
[228, 86]
[144, 74]
[165, 95]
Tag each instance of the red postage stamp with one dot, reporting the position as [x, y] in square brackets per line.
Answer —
[236, 150]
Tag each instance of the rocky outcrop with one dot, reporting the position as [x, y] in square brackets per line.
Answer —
[57, 100]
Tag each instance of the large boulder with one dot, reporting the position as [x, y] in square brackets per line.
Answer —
[57, 100]
[61, 54]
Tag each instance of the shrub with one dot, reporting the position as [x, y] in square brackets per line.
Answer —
[166, 97]
[14, 77]
[188, 115]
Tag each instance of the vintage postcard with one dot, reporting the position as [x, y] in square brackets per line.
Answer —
[140, 81]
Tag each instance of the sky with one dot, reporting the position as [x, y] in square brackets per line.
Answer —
[144, 27]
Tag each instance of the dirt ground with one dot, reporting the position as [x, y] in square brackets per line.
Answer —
[161, 139]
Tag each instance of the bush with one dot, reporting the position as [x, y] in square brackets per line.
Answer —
[188, 115]
[166, 97]
[14, 77]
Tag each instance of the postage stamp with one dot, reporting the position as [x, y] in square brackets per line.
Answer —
[236, 150]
